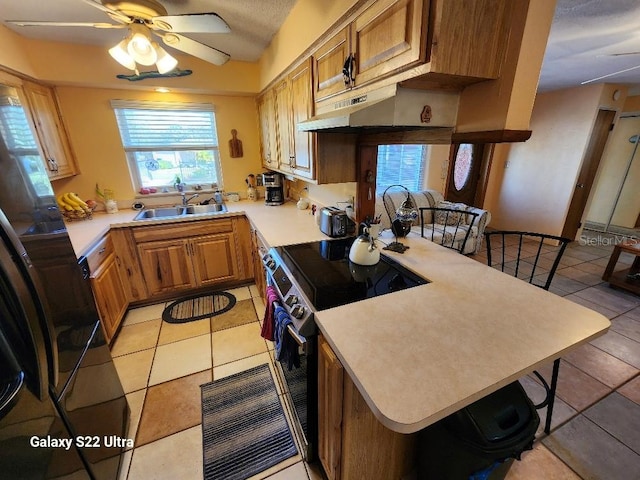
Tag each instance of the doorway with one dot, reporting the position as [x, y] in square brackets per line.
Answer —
[587, 175]
[468, 173]
[615, 204]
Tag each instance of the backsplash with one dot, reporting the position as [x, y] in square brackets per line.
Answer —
[335, 194]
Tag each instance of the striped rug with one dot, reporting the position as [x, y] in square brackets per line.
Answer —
[197, 307]
[243, 425]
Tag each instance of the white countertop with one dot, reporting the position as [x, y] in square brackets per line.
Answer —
[419, 354]
[279, 225]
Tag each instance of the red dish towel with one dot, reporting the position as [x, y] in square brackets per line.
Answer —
[268, 324]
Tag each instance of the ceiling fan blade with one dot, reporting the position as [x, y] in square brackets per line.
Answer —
[193, 23]
[609, 75]
[116, 15]
[197, 49]
[21, 23]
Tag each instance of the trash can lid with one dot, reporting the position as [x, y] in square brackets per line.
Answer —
[499, 420]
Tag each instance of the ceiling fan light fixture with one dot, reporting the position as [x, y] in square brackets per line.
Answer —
[165, 62]
[121, 55]
[140, 46]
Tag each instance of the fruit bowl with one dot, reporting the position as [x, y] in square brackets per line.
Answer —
[73, 207]
[77, 214]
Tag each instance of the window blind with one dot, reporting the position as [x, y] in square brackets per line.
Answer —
[400, 165]
[155, 126]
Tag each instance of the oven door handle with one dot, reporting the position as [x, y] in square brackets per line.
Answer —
[300, 340]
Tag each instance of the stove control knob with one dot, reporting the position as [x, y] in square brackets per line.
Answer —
[291, 300]
[269, 262]
[298, 311]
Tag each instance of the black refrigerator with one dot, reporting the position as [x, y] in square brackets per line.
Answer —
[63, 412]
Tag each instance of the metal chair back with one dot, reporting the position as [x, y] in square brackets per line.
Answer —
[532, 257]
[448, 227]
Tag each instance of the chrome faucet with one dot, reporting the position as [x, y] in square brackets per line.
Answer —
[185, 200]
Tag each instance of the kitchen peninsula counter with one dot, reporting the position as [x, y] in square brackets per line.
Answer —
[419, 354]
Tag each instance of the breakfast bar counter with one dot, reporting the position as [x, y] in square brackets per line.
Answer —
[420, 354]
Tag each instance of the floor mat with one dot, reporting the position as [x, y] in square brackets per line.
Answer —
[197, 307]
[244, 428]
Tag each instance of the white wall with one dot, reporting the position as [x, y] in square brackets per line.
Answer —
[532, 183]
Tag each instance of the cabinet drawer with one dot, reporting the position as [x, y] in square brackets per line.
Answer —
[99, 253]
[183, 230]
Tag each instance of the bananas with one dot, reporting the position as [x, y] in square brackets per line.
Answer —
[70, 202]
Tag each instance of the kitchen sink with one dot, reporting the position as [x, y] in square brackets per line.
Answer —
[179, 211]
[160, 213]
[211, 208]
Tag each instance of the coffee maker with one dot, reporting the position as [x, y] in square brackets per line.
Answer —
[273, 188]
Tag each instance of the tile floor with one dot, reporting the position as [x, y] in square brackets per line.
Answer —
[162, 366]
[596, 425]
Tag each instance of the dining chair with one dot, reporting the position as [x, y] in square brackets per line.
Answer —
[533, 257]
[449, 227]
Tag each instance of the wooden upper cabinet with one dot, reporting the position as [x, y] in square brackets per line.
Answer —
[470, 37]
[266, 116]
[387, 36]
[328, 62]
[303, 143]
[52, 135]
[284, 150]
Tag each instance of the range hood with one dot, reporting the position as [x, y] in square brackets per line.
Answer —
[387, 109]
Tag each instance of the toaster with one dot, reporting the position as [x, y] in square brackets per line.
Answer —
[335, 222]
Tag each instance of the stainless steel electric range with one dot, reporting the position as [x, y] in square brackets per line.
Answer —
[311, 277]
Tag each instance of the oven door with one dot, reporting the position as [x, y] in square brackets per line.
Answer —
[300, 385]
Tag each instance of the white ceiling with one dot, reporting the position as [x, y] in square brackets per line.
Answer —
[583, 36]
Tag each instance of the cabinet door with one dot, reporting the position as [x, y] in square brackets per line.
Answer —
[266, 114]
[328, 62]
[50, 130]
[470, 37]
[300, 86]
[386, 37]
[330, 392]
[214, 258]
[111, 299]
[284, 150]
[165, 265]
[258, 250]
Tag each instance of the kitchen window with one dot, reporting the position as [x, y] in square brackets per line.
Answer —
[169, 143]
[401, 165]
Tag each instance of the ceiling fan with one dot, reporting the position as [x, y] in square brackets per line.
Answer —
[147, 18]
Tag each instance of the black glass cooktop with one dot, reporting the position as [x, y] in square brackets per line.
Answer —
[324, 273]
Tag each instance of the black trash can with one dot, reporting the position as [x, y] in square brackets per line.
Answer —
[480, 441]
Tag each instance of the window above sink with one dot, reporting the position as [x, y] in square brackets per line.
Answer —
[169, 146]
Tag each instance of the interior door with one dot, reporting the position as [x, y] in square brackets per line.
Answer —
[599, 135]
[467, 174]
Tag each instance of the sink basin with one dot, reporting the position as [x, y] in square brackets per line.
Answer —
[160, 213]
[211, 208]
[178, 211]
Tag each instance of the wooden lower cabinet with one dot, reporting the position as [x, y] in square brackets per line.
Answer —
[107, 285]
[178, 264]
[258, 250]
[352, 443]
[194, 254]
[110, 296]
[166, 265]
